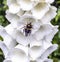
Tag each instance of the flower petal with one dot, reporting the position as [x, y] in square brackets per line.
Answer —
[9, 2]
[8, 40]
[50, 36]
[36, 26]
[22, 39]
[19, 53]
[14, 8]
[49, 15]
[26, 4]
[25, 49]
[43, 31]
[46, 44]
[7, 60]
[20, 13]
[9, 15]
[49, 1]
[49, 51]
[36, 43]
[36, 51]
[40, 10]
[48, 60]
[4, 48]
[11, 31]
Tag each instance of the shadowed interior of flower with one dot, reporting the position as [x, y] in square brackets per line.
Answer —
[30, 25]
[18, 55]
[36, 52]
[35, 48]
[32, 61]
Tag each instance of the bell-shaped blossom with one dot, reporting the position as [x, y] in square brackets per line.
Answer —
[10, 16]
[49, 51]
[40, 10]
[41, 53]
[37, 48]
[49, 15]
[19, 53]
[20, 23]
[50, 36]
[7, 39]
[13, 6]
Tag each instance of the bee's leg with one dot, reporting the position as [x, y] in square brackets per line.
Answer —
[29, 32]
[26, 32]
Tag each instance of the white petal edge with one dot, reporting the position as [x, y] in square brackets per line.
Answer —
[7, 39]
[49, 51]
[4, 48]
[49, 15]
[50, 36]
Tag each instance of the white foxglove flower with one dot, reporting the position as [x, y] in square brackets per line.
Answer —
[7, 39]
[19, 23]
[44, 53]
[50, 36]
[19, 53]
[43, 31]
[37, 48]
[14, 7]
[49, 15]
[14, 17]
[40, 10]
[49, 51]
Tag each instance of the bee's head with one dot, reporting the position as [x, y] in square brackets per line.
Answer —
[29, 24]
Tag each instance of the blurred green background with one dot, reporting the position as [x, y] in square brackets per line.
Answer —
[56, 21]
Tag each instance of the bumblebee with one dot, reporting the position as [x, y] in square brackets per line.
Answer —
[27, 29]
